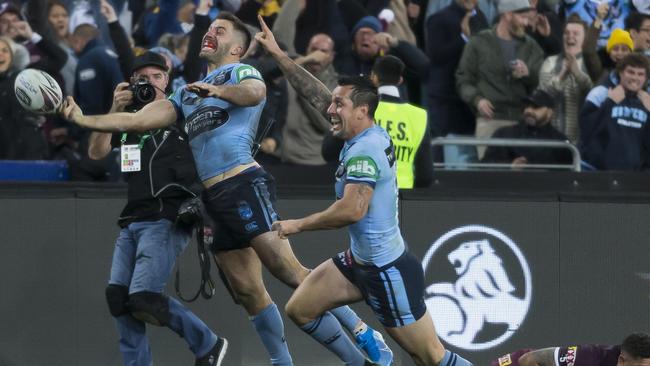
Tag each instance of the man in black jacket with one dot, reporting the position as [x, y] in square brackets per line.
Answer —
[159, 170]
[447, 32]
[535, 124]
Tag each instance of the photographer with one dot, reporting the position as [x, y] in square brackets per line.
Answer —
[160, 173]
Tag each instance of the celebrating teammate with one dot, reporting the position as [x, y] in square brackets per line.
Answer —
[377, 267]
[220, 117]
[635, 351]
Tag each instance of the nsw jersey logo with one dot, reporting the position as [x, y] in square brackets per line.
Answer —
[205, 119]
[246, 72]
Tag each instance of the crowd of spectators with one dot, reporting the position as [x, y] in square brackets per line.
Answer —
[571, 70]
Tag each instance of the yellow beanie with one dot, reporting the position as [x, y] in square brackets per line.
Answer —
[619, 36]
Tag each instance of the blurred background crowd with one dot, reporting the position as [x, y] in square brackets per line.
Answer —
[566, 70]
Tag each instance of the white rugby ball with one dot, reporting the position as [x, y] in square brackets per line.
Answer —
[37, 91]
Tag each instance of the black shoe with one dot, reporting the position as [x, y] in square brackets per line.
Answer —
[216, 354]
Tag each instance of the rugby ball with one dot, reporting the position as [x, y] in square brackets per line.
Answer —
[37, 91]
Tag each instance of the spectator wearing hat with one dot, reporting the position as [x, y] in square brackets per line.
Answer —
[498, 68]
[565, 77]
[614, 132]
[369, 42]
[447, 33]
[535, 123]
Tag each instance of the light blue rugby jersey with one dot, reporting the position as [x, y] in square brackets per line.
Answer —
[369, 158]
[221, 134]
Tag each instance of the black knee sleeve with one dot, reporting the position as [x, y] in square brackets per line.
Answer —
[149, 307]
[117, 297]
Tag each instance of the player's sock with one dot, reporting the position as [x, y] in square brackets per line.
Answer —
[269, 326]
[347, 317]
[453, 359]
[328, 332]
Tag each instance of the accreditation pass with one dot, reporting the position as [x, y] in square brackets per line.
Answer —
[130, 158]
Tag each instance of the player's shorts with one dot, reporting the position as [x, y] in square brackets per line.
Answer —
[395, 292]
[241, 208]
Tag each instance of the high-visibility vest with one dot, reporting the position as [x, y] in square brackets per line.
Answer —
[406, 125]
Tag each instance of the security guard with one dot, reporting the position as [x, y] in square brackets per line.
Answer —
[405, 123]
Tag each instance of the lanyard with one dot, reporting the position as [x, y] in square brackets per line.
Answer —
[143, 138]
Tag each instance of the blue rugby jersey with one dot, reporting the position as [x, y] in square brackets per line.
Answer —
[369, 158]
[221, 134]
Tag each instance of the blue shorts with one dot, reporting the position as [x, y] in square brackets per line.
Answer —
[395, 292]
[241, 208]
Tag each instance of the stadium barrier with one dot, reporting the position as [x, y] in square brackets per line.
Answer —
[527, 260]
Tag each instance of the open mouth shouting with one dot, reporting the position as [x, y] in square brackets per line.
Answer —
[209, 43]
[336, 124]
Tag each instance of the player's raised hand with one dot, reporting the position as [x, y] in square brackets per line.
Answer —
[70, 111]
[286, 228]
[266, 38]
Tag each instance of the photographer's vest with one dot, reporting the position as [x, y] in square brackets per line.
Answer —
[406, 124]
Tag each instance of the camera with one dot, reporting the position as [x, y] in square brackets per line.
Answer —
[143, 94]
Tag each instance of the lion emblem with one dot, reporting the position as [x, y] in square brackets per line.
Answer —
[481, 294]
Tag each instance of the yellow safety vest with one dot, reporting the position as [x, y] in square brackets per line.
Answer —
[406, 125]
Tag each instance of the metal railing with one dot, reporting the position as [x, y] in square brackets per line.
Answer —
[470, 141]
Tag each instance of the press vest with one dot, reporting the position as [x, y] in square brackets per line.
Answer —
[406, 125]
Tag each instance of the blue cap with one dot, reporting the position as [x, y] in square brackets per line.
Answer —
[368, 21]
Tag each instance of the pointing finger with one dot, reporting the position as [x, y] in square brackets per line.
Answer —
[263, 25]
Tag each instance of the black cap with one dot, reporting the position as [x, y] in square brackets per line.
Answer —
[540, 98]
[9, 7]
[149, 59]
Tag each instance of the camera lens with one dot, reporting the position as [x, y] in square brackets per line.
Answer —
[145, 93]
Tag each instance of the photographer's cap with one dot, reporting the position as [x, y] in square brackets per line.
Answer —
[149, 59]
[517, 6]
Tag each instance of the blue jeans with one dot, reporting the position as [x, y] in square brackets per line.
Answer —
[144, 256]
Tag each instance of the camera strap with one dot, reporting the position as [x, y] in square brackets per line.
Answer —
[206, 288]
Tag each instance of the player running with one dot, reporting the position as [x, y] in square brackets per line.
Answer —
[377, 267]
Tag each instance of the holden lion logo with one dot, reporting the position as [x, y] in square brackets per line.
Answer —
[479, 287]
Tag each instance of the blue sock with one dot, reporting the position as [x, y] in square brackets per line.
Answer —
[452, 359]
[328, 332]
[269, 326]
[347, 317]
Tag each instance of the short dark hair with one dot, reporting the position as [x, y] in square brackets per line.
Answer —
[637, 345]
[634, 59]
[635, 21]
[389, 70]
[575, 19]
[363, 92]
[239, 27]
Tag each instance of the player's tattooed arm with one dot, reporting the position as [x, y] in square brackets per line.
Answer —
[306, 84]
[540, 357]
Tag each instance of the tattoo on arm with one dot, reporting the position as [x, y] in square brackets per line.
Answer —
[361, 193]
[306, 84]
